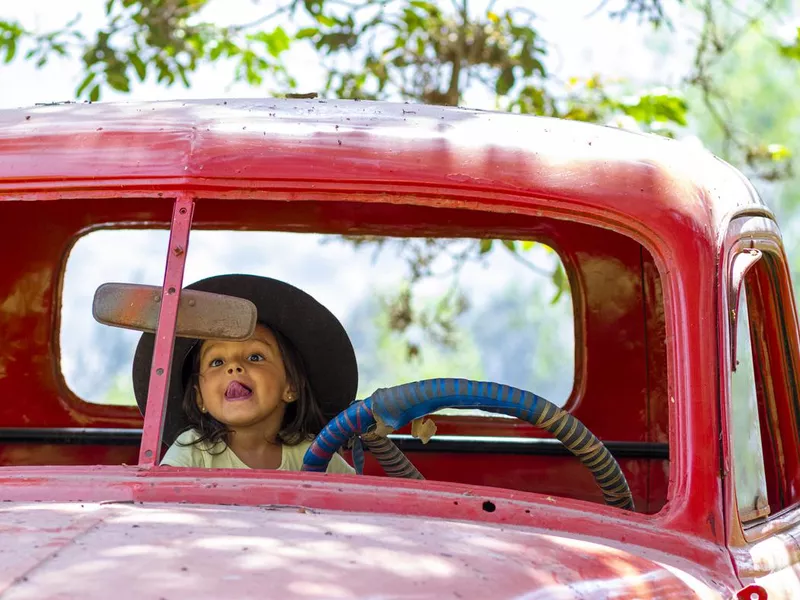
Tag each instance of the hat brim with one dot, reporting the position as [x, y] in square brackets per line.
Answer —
[319, 337]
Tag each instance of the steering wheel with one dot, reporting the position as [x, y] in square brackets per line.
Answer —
[391, 408]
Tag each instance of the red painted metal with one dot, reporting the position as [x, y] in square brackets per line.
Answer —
[429, 499]
[596, 255]
[765, 553]
[149, 453]
[639, 222]
[752, 592]
[167, 550]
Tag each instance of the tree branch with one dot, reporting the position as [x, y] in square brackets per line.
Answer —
[260, 20]
[535, 268]
[596, 10]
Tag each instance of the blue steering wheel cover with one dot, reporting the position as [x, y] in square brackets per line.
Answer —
[399, 405]
[356, 418]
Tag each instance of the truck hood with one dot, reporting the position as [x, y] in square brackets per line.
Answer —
[175, 552]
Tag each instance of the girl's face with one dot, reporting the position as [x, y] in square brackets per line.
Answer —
[244, 384]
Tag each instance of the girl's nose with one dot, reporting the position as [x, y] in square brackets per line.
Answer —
[235, 369]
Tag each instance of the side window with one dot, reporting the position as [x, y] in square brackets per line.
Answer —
[764, 397]
[748, 455]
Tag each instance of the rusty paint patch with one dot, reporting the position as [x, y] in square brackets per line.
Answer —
[612, 290]
[28, 295]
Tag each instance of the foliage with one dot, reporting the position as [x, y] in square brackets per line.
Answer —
[720, 44]
[757, 85]
[536, 348]
[162, 39]
[792, 50]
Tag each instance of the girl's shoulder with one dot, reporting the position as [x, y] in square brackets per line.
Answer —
[183, 452]
[190, 436]
[187, 451]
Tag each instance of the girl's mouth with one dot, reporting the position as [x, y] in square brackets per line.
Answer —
[237, 391]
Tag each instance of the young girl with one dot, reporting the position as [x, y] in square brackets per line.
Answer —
[257, 403]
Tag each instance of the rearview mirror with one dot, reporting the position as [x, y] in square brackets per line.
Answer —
[201, 315]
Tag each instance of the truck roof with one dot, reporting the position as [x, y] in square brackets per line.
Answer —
[254, 146]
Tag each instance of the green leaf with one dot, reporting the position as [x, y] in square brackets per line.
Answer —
[336, 41]
[278, 42]
[486, 246]
[426, 6]
[510, 244]
[11, 49]
[182, 72]
[527, 245]
[215, 53]
[117, 79]
[138, 64]
[792, 50]
[85, 83]
[582, 113]
[325, 20]
[560, 281]
[530, 64]
[661, 107]
[412, 19]
[306, 32]
[779, 152]
[505, 82]
[531, 100]
[313, 6]
[94, 95]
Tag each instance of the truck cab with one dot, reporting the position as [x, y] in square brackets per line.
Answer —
[683, 365]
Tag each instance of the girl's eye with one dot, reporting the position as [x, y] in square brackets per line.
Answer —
[255, 357]
[217, 362]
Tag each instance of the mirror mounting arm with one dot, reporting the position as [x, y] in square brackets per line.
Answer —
[181, 225]
[743, 261]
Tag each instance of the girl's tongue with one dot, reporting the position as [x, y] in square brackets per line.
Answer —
[237, 391]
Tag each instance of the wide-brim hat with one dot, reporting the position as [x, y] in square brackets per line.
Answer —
[319, 337]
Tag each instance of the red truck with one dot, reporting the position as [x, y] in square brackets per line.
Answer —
[685, 378]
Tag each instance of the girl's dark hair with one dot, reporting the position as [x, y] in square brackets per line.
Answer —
[302, 420]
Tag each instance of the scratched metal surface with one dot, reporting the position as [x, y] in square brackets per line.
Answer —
[164, 551]
[252, 142]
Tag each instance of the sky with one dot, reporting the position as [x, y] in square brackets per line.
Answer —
[583, 45]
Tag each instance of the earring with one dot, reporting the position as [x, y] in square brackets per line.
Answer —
[203, 409]
[290, 397]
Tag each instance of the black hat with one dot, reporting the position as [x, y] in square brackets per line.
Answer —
[317, 334]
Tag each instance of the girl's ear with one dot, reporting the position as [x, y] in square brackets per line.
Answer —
[198, 398]
[289, 395]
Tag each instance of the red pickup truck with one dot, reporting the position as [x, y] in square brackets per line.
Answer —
[685, 365]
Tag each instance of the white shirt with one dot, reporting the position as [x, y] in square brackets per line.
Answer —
[183, 453]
